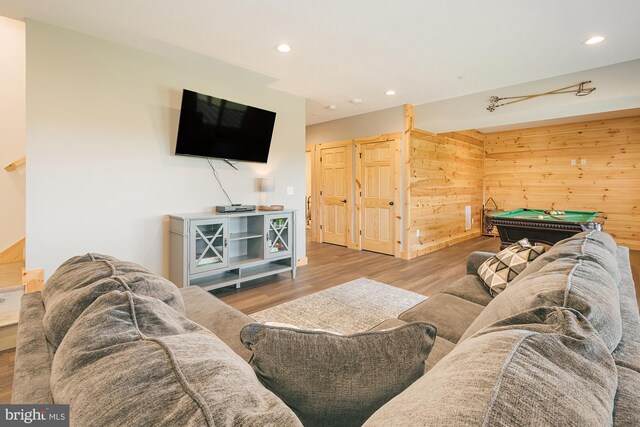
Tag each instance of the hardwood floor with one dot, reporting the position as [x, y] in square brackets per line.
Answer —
[7, 360]
[331, 265]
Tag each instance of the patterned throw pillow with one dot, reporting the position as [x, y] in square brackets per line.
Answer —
[503, 267]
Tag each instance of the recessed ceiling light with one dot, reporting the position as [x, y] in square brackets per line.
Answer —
[390, 92]
[284, 48]
[331, 107]
[594, 40]
[356, 101]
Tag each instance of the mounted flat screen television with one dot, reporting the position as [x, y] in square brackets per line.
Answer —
[214, 127]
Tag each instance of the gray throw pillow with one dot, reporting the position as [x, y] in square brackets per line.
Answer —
[502, 268]
[337, 380]
[132, 360]
[80, 280]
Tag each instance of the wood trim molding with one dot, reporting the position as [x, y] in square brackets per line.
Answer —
[353, 240]
[406, 174]
[379, 138]
[357, 196]
[397, 189]
[315, 189]
[12, 166]
[334, 144]
[302, 261]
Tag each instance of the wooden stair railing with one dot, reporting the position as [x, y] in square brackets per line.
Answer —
[12, 166]
[14, 278]
[14, 253]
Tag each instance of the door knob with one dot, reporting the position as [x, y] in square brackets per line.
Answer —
[391, 203]
[344, 201]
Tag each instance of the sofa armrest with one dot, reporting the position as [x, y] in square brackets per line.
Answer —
[32, 372]
[475, 259]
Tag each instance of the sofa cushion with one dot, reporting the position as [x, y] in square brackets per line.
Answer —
[337, 380]
[440, 349]
[552, 370]
[132, 360]
[625, 412]
[502, 268]
[79, 281]
[595, 246]
[471, 288]
[451, 315]
[571, 283]
[475, 259]
[221, 319]
[388, 324]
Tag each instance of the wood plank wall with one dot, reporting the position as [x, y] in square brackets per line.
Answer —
[445, 174]
[532, 168]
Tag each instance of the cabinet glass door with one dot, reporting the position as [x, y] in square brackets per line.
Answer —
[278, 235]
[208, 245]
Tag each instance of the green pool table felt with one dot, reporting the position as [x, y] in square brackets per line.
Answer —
[533, 214]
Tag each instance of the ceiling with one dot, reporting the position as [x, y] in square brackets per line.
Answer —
[426, 50]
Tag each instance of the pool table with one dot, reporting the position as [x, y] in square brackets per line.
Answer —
[541, 227]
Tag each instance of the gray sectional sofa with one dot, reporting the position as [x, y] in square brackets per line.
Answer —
[559, 346]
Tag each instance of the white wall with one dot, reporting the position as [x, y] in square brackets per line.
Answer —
[12, 127]
[617, 88]
[101, 125]
[390, 120]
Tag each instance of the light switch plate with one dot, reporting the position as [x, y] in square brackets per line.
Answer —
[289, 191]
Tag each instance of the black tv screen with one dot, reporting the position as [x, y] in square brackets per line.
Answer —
[214, 127]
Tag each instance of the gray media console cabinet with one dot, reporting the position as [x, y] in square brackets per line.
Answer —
[214, 250]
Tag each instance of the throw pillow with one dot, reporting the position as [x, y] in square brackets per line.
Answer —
[131, 360]
[497, 271]
[337, 380]
[80, 280]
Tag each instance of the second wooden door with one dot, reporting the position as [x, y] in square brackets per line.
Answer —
[335, 179]
[378, 191]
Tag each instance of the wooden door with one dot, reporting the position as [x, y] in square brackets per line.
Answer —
[335, 182]
[378, 192]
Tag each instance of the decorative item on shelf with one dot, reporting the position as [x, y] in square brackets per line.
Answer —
[271, 208]
[578, 89]
[487, 227]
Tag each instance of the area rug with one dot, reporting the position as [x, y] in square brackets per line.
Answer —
[352, 307]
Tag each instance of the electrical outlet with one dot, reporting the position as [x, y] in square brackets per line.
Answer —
[289, 191]
[583, 162]
[573, 162]
[418, 233]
